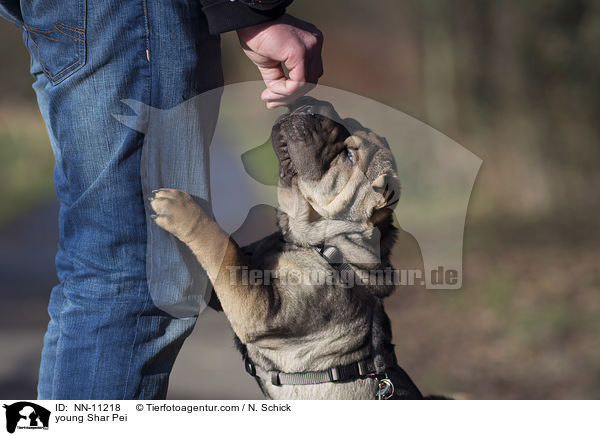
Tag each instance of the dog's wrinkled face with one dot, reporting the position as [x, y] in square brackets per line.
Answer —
[341, 169]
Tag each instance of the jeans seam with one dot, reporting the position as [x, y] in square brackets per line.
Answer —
[41, 32]
[148, 299]
[70, 36]
[48, 32]
[147, 29]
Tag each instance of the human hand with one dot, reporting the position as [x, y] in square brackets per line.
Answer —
[285, 41]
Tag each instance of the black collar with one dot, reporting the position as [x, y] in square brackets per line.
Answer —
[365, 368]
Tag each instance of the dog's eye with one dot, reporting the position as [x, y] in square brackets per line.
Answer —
[350, 156]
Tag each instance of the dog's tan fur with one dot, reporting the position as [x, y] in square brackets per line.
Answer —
[304, 326]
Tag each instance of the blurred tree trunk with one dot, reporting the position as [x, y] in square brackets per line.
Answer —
[438, 65]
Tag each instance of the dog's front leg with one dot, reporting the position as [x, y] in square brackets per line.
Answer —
[246, 305]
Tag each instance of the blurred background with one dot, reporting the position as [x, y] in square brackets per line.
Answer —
[515, 82]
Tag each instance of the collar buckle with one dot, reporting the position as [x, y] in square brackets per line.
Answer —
[334, 374]
[250, 367]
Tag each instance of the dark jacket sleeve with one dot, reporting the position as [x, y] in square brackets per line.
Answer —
[11, 10]
[226, 15]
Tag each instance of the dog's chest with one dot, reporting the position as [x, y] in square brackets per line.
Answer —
[312, 288]
[315, 315]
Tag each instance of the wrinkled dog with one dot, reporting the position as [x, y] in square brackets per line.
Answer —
[302, 336]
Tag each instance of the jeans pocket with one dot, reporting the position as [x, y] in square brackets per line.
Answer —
[56, 36]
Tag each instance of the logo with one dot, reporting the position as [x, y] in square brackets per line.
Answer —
[26, 415]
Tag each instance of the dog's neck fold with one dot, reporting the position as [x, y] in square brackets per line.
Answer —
[360, 243]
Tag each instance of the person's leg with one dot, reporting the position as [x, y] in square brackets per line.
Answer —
[106, 338]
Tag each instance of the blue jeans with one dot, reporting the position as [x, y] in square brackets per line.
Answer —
[106, 338]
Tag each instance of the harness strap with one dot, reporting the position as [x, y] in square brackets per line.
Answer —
[334, 257]
[352, 371]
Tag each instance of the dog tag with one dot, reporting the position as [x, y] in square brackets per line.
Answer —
[385, 389]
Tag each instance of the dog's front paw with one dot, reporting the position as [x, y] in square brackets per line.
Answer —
[177, 212]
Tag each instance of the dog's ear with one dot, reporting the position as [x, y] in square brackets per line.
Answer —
[388, 186]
